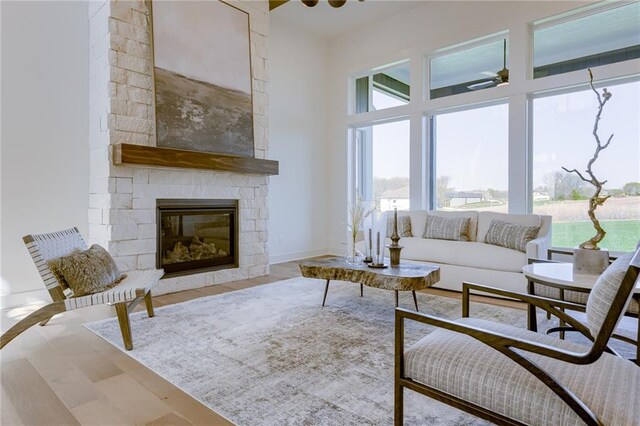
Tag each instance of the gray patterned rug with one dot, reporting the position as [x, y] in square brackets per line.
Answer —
[271, 355]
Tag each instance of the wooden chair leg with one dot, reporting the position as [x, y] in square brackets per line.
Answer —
[43, 314]
[398, 406]
[149, 304]
[125, 328]
[43, 323]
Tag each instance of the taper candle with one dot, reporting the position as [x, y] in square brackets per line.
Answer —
[395, 220]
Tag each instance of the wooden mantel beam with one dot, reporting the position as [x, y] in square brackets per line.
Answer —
[128, 154]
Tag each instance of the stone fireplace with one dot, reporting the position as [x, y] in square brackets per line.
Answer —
[124, 198]
[196, 235]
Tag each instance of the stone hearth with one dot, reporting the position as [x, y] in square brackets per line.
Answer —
[122, 200]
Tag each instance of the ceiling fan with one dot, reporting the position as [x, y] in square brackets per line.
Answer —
[499, 78]
[309, 3]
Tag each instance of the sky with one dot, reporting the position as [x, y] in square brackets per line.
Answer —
[472, 146]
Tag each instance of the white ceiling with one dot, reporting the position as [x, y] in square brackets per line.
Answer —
[328, 22]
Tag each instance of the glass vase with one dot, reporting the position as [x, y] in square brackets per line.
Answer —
[354, 256]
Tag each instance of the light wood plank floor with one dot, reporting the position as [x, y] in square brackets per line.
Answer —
[62, 374]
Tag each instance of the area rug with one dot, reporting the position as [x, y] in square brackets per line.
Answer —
[272, 355]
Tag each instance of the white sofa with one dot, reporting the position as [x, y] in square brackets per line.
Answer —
[473, 260]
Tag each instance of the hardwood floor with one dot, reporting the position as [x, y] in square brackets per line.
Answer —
[63, 374]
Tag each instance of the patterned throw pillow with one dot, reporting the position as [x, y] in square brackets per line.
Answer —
[404, 225]
[87, 272]
[447, 228]
[510, 235]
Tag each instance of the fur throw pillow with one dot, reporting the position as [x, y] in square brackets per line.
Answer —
[87, 272]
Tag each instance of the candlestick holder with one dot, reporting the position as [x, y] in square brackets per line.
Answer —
[394, 247]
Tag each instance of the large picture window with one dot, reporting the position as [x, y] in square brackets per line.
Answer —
[383, 164]
[562, 136]
[470, 159]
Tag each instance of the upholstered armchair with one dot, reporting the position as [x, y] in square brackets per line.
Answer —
[511, 375]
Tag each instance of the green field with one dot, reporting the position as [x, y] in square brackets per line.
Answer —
[622, 235]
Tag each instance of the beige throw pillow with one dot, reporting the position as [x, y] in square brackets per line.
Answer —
[87, 272]
[404, 225]
[510, 235]
[447, 228]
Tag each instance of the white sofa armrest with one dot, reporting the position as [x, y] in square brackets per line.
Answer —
[538, 248]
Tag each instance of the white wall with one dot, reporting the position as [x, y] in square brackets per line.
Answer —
[45, 152]
[297, 139]
[411, 34]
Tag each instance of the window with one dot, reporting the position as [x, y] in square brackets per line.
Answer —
[475, 68]
[600, 38]
[562, 136]
[383, 164]
[470, 159]
[385, 89]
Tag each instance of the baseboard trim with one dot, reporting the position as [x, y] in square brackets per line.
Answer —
[297, 255]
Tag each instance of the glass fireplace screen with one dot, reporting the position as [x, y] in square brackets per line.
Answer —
[196, 239]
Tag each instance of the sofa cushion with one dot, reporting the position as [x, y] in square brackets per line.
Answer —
[485, 218]
[404, 225]
[473, 254]
[473, 220]
[510, 235]
[447, 228]
[418, 220]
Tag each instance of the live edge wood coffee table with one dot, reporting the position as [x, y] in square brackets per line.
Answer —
[406, 277]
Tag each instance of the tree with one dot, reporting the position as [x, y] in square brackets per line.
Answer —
[442, 187]
[564, 186]
[631, 188]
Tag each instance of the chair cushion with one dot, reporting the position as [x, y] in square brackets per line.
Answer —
[468, 369]
[88, 271]
[472, 254]
[577, 297]
[137, 283]
[510, 235]
[604, 292]
[447, 228]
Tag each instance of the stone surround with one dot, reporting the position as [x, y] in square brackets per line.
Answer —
[122, 199]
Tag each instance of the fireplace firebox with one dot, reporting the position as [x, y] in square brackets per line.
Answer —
[196, 235]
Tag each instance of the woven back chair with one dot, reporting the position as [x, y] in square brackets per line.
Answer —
[515, 376]
[124, 296]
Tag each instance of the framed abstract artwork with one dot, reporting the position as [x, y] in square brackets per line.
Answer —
[202, 77]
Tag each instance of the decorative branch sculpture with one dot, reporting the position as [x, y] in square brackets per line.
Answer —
[596, 199]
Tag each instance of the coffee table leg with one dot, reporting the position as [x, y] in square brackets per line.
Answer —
[415, 299]
[326, 289]
[361, 290]
[396, 298]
